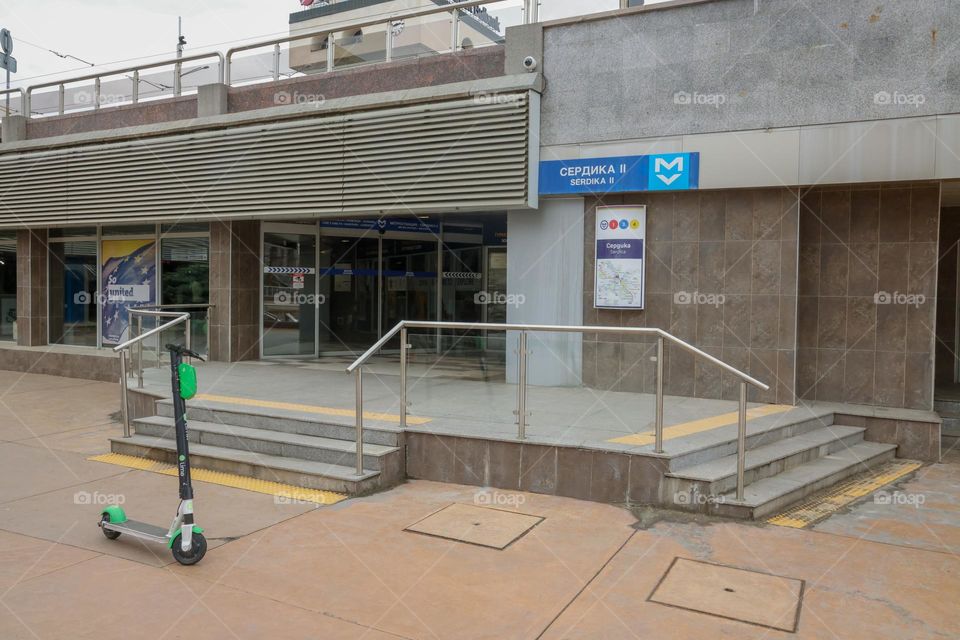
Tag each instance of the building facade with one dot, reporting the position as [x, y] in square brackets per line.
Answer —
[802, 229]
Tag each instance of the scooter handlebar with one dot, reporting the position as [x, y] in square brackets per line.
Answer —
[183, 351]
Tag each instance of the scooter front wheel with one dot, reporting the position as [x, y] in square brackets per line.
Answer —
[198, 548]
[111, 535]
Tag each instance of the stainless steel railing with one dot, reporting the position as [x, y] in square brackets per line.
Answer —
[225, 60]
[124, 347]
[662, 337]
[135, 79]
[353, 25]
[6, 109]
[137, 315]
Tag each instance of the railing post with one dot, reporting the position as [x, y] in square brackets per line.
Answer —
[28, 95]
[276, 62]
[522, 387]
[330, 51]
[177, 80]
[455, 30]
[124, 405]
[531, 12]
[139, 353]
[658, 425]
[188, 339]
[389, 48]
[359, 382]
[61, 99]
[136, 86]
[741, 439]
[96, 94]
[226, 68]
[403, 377]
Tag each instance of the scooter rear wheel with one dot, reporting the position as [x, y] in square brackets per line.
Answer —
[111, 535]
[198, 548]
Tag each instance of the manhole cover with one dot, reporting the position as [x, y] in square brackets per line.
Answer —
[483, 526]
[738, 594]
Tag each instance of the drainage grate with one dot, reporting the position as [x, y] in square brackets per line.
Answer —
[824, 504]
[743, 595]
[483, 526]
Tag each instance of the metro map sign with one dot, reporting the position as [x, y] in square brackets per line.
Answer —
[620, 174]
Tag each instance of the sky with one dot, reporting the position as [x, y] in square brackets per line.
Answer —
[107, 32]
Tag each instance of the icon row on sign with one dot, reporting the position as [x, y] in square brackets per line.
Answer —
[620, 224]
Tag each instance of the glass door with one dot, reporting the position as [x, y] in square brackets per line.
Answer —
[409, 286]
[290, 299]
[349, 280]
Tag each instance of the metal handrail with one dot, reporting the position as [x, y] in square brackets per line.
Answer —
[224, 60]
[662, 336]
[22, 92]
[355, 24]
[124, 347]
[137, 313]
[135, 70]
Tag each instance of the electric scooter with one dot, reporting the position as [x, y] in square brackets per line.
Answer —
[184, 538]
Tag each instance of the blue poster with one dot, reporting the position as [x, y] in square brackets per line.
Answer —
[129, 276]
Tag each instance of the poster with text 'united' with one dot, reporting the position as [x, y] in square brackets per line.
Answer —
[619, 268]
[129, 277]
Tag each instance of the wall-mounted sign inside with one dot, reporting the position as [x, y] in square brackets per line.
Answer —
[661, 172]
[619, 268]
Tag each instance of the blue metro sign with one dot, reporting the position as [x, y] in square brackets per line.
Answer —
[620, 174]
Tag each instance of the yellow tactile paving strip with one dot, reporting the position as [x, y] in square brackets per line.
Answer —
[283, 492]
[703, 424]
[820, 506]
[308, 408]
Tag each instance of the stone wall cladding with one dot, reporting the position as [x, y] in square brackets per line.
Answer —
[473, 64]
[721, 275]
[735, 65]
[234, 328]
[867, 294]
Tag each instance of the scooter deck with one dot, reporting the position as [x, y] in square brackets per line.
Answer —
[138, 529]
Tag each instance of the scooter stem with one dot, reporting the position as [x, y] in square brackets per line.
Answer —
[180, 427]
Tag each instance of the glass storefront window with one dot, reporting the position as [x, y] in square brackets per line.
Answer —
[185, 227]
[73, 232]
[185, 280]
[8, 285]
[136, 230]
[73, 292]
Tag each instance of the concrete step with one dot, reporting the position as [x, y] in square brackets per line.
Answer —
[287, 421]
[719, 476]
[716, 444]
[301, 473]
[950, 426]
[771, 495]
[947, 408]
[275, 443]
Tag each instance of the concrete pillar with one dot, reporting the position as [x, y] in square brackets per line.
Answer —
[32, 287]
[212, 100]
[523, 41]
[545, 281]
[13, 129]
[234, 327]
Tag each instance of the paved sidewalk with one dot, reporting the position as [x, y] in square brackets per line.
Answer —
[583, 571]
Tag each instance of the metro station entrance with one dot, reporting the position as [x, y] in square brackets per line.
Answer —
[333, 287]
